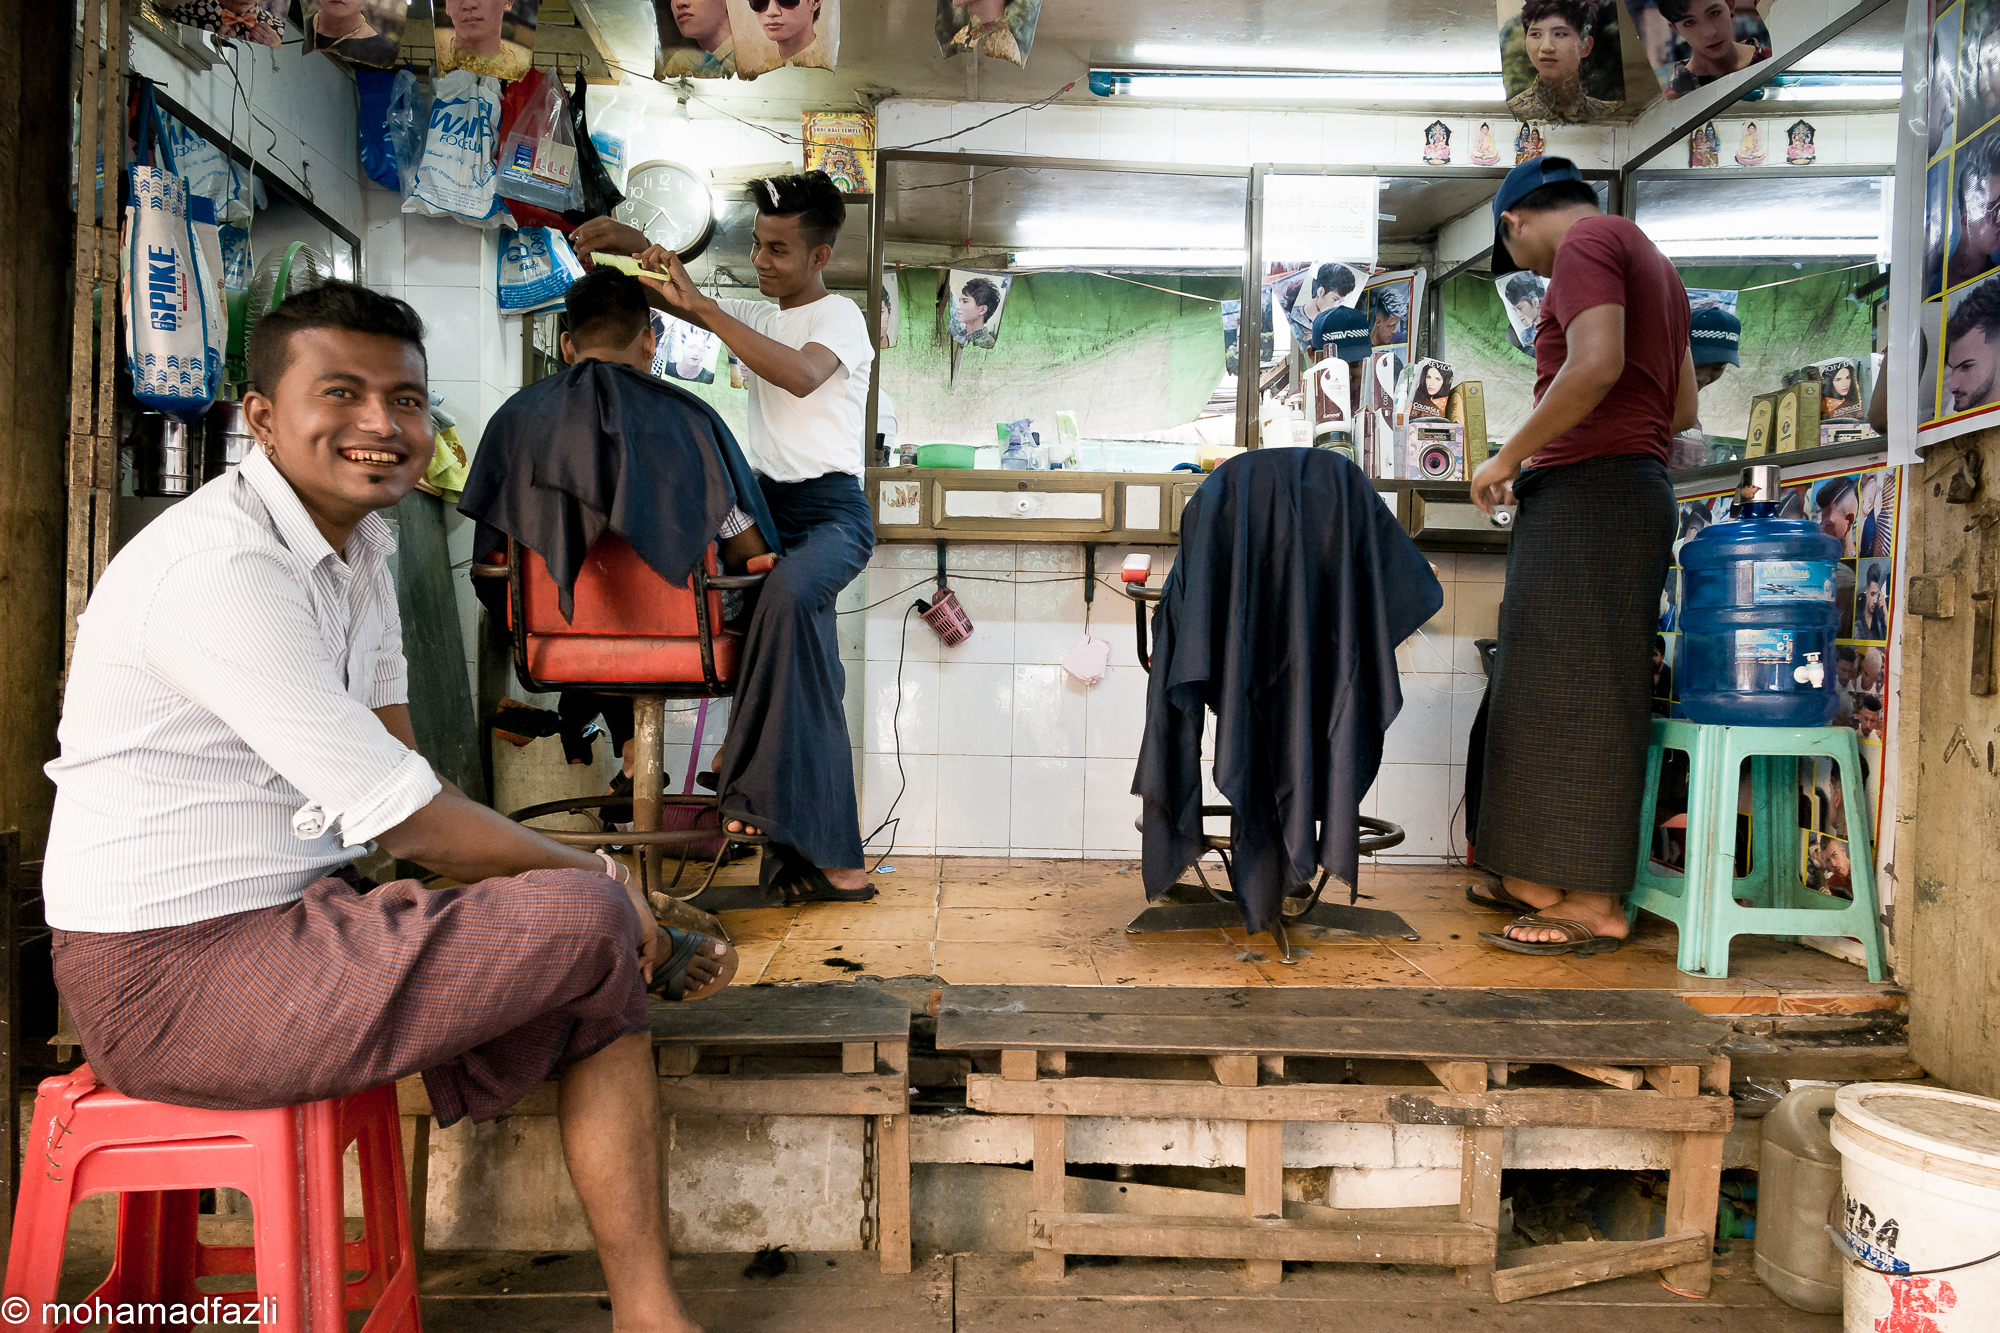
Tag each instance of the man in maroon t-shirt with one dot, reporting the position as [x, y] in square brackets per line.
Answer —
[1570, 707]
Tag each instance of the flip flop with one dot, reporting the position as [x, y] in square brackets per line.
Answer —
[814, 887]
[1499, 900]
[1577, 938]
[670, 973]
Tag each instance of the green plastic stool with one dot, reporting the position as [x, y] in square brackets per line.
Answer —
[1704, 903]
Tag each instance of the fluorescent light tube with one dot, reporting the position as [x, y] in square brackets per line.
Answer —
[1230, 86]
[1835, 88]
[1128, 259]
[1788, 248]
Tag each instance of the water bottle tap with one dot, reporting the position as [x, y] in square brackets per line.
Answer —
[1813, 673]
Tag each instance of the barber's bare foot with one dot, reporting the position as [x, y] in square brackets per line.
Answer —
[673, 1320]
[738, 826]
[847, 879]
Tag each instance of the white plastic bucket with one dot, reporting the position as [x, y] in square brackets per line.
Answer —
[1920, 1191]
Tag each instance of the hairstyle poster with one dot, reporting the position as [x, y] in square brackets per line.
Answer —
[361, 32]
[771, 34]
[1310, 290]
[1003, 29]
[1859, 510]
[1692, 43]
[494, 38]
[976, 303]
[684, 352]
[696, 40]
[1392, 309]
[892, 309]
[1712, 298]
[260, 22]
[1560, 59]
[1960, 333]
[1521, 293]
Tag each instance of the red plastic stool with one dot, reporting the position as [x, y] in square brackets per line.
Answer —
[88, 1139]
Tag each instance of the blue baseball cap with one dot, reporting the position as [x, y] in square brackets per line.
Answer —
[1714, 335]
[1343, 330]
[1521, 182]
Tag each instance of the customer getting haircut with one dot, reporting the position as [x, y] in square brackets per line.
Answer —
[605, 308]
[347, 306]
[985, 294]
[812, 198]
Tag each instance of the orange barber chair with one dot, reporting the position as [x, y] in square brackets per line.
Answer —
[632, 633]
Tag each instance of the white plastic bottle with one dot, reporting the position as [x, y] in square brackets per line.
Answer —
[611, 125]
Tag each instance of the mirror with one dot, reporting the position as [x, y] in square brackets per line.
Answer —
[1024, 289]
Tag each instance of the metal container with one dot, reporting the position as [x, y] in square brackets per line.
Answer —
[168, 454]
[229, 438]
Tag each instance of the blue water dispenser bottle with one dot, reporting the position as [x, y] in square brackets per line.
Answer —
[1758, 618]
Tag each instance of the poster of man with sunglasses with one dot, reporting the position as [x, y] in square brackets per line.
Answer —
[1975, 221]
[774, 33]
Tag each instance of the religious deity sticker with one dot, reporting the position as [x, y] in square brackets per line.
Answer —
[1528, 145]
[1437, 144]
[1705, 146]
[1799, 149]
[1750, 149]
[1560, 60]
[1485, 152]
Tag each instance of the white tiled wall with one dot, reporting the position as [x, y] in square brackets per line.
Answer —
[449, 272]
[1002, 752]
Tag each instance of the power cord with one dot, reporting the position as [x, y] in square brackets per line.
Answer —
[889, 818]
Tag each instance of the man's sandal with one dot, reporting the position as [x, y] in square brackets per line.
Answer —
[1498, 899]
[670, 979]
[1577, 938]
[814, 887]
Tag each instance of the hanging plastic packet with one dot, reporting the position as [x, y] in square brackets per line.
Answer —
[405, 121]
[457, 177]
[536, 270]
[598, 187]
[1088, 660]
[175, 328]
[538, 147]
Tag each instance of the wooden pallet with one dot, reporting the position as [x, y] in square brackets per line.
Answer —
[1653, 1063]
[751, 1027]
[765, 1050]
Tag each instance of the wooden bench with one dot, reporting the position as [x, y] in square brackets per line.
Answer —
[1650, 1061]
[769, 1050]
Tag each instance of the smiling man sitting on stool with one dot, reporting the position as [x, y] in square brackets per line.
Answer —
[236, 731]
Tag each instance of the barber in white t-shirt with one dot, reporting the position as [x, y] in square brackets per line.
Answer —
[786, 768]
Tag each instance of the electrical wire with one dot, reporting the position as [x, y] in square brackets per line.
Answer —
[890, 820]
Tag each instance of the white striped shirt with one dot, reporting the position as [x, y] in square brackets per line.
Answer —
[218, 752]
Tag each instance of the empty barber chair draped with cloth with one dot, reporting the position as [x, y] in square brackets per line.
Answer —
[1293, 586]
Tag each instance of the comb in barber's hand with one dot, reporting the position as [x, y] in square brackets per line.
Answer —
[627, 264]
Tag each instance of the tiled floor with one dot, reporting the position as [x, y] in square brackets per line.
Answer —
[976, 921]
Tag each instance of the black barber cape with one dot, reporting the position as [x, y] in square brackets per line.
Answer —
[603, 446]
[1293, 586]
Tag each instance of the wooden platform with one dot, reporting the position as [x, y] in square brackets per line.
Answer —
[1651, 1062]
[974, 921]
